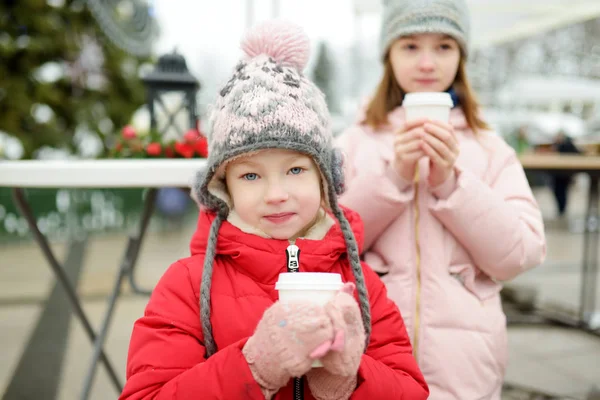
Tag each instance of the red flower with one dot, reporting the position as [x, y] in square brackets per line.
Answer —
[169, 153]
[154, 149]
[184, 149]
[119, 146]
[201, 147]
[128, 132]
[192, 135]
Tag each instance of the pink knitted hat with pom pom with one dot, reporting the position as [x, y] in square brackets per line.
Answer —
[268, 103]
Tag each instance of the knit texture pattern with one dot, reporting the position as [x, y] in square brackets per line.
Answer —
[408, 17]
[337, 379]
[285, 339]
[268, 103]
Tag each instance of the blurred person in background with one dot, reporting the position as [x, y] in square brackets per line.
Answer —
[520, 142]
[447, 209]
[563, 144]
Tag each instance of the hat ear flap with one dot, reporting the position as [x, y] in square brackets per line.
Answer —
[200, 194]
[203, 197]
[337, 171]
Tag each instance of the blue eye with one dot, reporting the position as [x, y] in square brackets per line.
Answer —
[250, 176]
[296, 170]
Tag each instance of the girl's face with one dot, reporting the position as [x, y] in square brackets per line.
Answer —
[277, 191]
[425, 62]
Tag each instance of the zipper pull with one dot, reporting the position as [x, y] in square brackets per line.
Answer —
[292, 253]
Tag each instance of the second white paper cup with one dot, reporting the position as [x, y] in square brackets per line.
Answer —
[432, 105]
[316, 287]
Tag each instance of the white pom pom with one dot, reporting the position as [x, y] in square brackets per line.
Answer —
[285, 42]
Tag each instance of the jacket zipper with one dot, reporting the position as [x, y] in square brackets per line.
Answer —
[292, 254]
[418, 262]
[298, 389]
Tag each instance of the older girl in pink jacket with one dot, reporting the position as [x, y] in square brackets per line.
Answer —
[448, 212]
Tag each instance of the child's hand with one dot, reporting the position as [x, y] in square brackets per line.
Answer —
[408, 149]
[349, 343]
[287, 340]
[337, 379]
[441, 146]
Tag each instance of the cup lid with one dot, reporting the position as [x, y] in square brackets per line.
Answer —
[308, 278]
[427, 99]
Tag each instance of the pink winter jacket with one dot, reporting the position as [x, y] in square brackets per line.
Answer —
[444, 252]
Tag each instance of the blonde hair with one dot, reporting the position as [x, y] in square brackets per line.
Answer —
[389, 95]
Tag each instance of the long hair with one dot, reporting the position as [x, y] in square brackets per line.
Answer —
[389, 95]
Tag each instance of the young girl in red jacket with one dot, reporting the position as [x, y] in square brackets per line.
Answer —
[214, 328]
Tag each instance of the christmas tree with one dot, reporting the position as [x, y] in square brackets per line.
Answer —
[62, 76]
[323, 74]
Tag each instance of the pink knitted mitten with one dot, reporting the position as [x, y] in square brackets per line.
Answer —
[287, 340]
[338, 377]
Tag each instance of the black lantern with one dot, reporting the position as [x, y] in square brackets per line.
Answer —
[172, 90]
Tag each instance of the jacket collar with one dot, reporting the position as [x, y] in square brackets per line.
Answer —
[263, 259]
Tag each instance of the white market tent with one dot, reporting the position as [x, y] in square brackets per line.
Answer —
[541, 126]
[546, 89]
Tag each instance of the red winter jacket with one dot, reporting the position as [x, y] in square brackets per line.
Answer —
[166, 354]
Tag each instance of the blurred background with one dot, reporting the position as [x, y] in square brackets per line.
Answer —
[71, 87]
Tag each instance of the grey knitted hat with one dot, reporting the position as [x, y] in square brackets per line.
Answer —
[407, 17]
[268, 103]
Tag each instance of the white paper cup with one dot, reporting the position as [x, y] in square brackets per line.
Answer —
[432, 105]
[315, 287]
